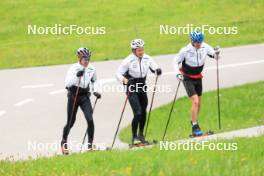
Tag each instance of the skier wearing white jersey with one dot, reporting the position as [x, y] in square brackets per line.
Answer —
[189, 65]
[133, 72]
[80, 82]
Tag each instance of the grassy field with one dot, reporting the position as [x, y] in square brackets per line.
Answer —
[241, 107]
[124, 20]
[246, 160]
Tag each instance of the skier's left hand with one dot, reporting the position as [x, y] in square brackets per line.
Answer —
[158, 71]
[97, 95]
[217, 50]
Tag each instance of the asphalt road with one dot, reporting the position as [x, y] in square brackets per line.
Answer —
[33, 100]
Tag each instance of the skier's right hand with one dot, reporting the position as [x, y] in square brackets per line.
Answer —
[179, 77]
[80, 73]
[125, 81]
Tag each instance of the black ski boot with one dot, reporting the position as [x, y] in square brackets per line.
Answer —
[90, 145]
[196, 130]
[142, 139]
[64, 147]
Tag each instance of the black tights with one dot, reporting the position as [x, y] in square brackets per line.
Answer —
[85, 104]
[139, 103]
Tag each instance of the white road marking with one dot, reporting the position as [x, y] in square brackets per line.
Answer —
[100, 82]
[37, 86]
[225, 66]
[235, 65]
[111, 80]
[57, 91]
[107, 80]
[2, 113]
[21, 103]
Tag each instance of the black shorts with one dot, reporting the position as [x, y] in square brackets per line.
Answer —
[193, 86]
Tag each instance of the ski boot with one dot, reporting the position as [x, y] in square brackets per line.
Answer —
[142, 139]
[196, 130]
[64, 147]
[90, 145]
[136, 141]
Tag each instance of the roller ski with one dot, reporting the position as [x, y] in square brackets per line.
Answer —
[207, 133]
[140, 141]
[95, 148]
[197, 132]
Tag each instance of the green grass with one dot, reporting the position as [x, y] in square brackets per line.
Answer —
[124, 20]
[241, 107]
[247, 160]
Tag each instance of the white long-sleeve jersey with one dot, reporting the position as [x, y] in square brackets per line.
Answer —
[193, 59]
[89, 77]
[136, 67]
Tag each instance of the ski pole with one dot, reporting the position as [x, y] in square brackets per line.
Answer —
[172, 106]
[86, 132]
[123, 110]
[151, 104]
[74, 103]
[218, 96]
